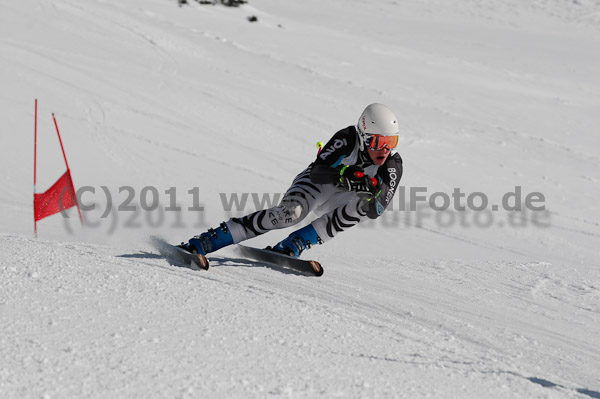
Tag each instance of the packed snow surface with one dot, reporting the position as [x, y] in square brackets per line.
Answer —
[177, 118]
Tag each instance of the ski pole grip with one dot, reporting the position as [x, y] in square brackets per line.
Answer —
[319, 147]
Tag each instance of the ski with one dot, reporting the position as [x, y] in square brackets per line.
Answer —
[174, 252]
[275, 258]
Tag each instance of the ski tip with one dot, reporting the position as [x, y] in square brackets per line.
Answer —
[202, 261]
[317, 268]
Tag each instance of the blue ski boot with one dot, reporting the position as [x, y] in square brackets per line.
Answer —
[298, 241]
[209, 241]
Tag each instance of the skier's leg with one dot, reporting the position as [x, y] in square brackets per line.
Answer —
[323, 229]
[299, 200]
[340, 219]
[302, 197]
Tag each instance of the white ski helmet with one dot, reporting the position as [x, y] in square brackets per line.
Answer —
[376, 119]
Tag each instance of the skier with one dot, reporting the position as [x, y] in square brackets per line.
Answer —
[353, 178]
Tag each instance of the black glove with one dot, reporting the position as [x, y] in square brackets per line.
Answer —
[373, 188]
[370, 204]
[353, 178]
[375, 185]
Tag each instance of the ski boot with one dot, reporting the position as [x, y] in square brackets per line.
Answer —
[209, 241]
[298, 241]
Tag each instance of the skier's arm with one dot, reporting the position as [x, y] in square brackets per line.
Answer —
[323, 174]
[390, 174]
[327, 166]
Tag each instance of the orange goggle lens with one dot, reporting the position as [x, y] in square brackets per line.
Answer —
[378, 142]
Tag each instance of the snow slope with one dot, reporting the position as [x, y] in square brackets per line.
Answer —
[150, 96]
[82, 320]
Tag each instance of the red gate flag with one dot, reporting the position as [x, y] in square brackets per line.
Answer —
[56, 199]
[61, 195]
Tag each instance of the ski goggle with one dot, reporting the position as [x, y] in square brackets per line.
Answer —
[379, 142]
